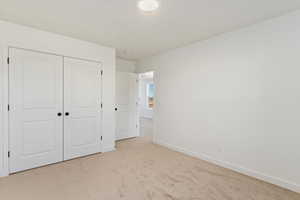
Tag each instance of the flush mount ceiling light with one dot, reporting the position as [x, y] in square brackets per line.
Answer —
[148, 5]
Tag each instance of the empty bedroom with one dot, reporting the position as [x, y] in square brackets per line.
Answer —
[150, 100]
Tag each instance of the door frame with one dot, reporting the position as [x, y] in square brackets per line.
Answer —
[5, 117]
[4, 67]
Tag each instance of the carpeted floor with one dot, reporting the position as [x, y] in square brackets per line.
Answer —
[138, 170]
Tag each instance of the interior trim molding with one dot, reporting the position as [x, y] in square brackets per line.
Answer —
[4, 164]
[258, 175]
[4, 174]
[108, 149]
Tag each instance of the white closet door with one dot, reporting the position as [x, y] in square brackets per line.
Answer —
[35, 96]
[82, 107]
[126, 100]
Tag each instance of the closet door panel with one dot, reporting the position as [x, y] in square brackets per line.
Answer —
[36, 98]
[82, 105]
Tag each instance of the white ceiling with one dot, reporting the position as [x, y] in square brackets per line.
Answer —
[118, 23]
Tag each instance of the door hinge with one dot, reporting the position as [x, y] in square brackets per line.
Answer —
[101, 137]
[101, 72]
[7, 60]
[8, 154]
[8, 107]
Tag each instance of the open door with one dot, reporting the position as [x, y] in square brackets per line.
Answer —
[127, 105]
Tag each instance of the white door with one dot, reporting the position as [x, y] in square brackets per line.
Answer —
[82, 108]
[35, 98]
[127, 104]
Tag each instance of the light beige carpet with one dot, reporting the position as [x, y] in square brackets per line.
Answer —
[138, 170]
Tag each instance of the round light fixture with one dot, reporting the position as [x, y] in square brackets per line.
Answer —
[148, 5]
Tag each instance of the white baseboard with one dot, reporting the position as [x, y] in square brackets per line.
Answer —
[108, 149]
[270, 179]
[4, 173]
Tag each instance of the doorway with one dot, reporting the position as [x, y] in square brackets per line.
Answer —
[146, 103]
[135, 102]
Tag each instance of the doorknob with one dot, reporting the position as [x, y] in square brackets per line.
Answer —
[116, 109]
[59, 114]
[67, 114]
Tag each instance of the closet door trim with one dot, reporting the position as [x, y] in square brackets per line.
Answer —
[4, 170]
[51, 53]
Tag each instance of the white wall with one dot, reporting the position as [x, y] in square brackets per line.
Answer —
[24, 37]
[125, 65]
[235, 100]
